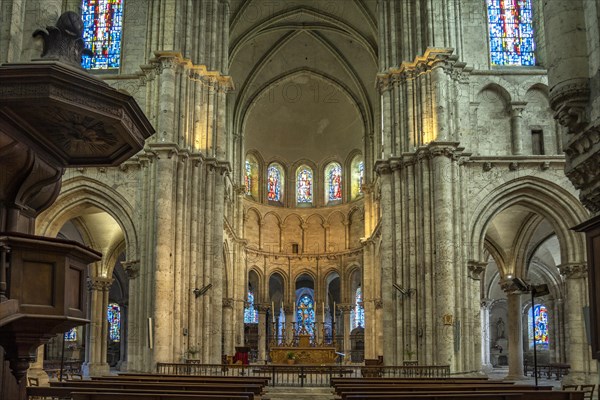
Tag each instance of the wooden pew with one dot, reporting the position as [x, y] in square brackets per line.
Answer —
[185, 378]
[230, 387]
[531, 395]
[148, 396]
[67, 392]
[457, 379]
[427, 387]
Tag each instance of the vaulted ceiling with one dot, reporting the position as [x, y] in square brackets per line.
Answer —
[304, 74]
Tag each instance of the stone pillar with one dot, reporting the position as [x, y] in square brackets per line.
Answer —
[387, 259]
[289, 327]
[516, 127]
[95, 350]
[262, 331]
[345, 309]
[134, 336]
[443, 210]
[36, 368]
[228, 325]
[578, 351]
[486, 364]
[515, 336]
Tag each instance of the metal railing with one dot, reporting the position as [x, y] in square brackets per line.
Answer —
[304, 375]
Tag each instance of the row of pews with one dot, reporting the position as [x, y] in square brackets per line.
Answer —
[444, 389]
[154, 387]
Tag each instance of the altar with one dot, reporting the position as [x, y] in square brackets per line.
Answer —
[304, 353]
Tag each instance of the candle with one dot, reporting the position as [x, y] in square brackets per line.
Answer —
[323, 304]
[273, 311]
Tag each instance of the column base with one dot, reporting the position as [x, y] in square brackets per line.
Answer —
[95, 369]
[40, 375]
[486, 368]
[516, 377]
[580, 378]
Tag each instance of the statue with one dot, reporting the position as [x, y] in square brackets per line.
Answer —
[500, 328]
[64, 41]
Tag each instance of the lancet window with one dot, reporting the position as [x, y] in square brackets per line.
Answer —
[510, 24]
[114, 322]
[304, 185]
[71, 335]
[305, 314]
[250, 312]
[333, 182]
[357, 315]
[540, 315]
[275, 183]
[102, 28]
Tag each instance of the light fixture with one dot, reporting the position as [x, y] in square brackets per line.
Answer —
[200, 292]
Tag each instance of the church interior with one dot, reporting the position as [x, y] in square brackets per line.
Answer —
[333, 182]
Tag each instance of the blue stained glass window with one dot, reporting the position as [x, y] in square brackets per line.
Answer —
[71, 336]
[102, 27]
[250, 313]
[248, 178]
[541, 327]
[304, 182]
[334, 180]
[114, 322]
[510, 25]
[361, 175]
[358, 313]
[305, 314]
[273, 183]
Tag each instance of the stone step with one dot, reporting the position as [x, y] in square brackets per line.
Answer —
[298, 393]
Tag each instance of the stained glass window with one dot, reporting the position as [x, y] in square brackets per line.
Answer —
[114, 322]
[361, 175]
[510, 24]
[305, 314]
[274, 183]
[358, 313]
[540, 313]
[102, 27]
[334, 182]
[71, 336]
[304, 184]
[250, 313]
[248, 178]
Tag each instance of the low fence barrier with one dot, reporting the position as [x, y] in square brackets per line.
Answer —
[304, 375]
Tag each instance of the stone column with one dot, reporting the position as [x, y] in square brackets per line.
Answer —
[516, 127]
[36, 368]
[345, 309]
[578, 351]
[132, 270]
[515, 336]
[228, 324]
[387, 258]
[289, 327]
[95, 351]
[262, 331]
[486, 364]
[443, 210]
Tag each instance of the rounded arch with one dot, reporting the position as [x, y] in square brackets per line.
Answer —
[543, 197]
[81, 192]
[499, 89]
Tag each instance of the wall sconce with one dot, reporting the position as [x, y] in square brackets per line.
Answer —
[200, 292]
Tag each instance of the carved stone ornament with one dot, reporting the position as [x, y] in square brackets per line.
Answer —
[132, 268]
[573, 271]
[64, 42]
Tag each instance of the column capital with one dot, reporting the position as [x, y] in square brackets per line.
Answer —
[485, 302]
[228, 302]
[262, 308]
[509, 287]
[99, 283]
[345, 306]
[132, 268]
[516, 108]
[378, 304]
[575, 270]
[476, 268]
